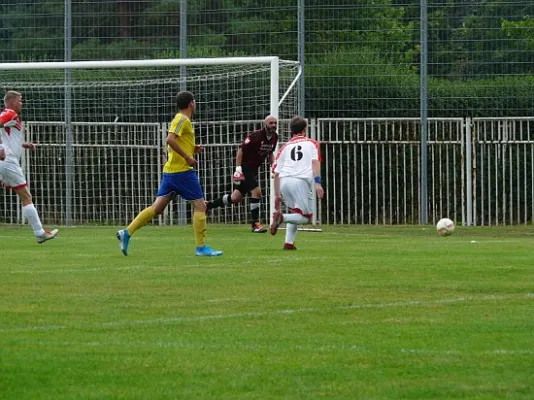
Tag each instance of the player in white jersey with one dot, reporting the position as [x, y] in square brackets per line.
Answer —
[2, 157]
[10, 170]
[297, 173]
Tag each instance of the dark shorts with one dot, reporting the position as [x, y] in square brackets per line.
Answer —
[185, 184]
[250, 182]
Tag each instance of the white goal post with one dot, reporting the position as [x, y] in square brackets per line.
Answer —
[100, 128]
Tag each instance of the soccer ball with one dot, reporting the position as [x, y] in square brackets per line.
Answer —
[445, 227]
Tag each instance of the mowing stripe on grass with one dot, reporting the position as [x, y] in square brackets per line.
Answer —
[147, 267]
[330, 348]
[200, 318]
[495, 352]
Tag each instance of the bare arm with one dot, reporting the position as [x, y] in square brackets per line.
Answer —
[238, 174]
[277, 196]
[239, 157]
[316, 166]
[28, 145]
[173, 144]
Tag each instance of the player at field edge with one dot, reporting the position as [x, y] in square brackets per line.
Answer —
[254, 150]
[297, 173]
[11, 137]
[179, 178]
[2, 158]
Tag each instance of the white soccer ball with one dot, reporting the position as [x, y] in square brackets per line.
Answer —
[445, 227]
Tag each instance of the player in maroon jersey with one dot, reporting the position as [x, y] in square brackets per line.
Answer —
[255, 149]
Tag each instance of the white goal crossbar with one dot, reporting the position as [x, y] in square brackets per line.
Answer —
[272, 60]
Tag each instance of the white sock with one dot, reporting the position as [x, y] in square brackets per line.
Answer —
[291, 232]
[30, 213]
[297, 219]
[227, 199]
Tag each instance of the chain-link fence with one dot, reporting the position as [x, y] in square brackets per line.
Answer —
[361, 59]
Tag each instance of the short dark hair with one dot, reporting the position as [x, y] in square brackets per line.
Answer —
[297, 125]
[183, 99]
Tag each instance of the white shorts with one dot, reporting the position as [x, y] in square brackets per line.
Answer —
[298, 195]
[12, 176]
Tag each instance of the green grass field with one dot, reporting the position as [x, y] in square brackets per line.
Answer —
[354, 313]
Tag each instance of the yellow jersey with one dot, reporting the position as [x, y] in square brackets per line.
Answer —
[185, 135]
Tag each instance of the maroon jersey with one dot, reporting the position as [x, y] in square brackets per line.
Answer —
[256, 148]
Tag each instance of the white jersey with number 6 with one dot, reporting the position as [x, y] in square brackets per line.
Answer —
[295, 157]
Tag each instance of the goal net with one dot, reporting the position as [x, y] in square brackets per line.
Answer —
[100, 130]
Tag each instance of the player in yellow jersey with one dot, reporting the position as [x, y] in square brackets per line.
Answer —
[179, 178]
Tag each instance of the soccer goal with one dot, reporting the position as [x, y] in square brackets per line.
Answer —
[100, 127]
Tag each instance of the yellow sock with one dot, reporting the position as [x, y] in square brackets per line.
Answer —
[200, 227]
[143, 218]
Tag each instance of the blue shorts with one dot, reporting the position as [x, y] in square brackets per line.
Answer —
[185, 184]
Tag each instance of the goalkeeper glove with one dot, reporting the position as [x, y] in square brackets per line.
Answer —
[238, 176]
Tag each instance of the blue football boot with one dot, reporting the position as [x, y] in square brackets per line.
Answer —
[207, 251]
[124, 240]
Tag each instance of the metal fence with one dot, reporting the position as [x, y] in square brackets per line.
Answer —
[117, 169]
[502, 170]
[362, 58]
[373, 170]
[385, 60]
[480, 171]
